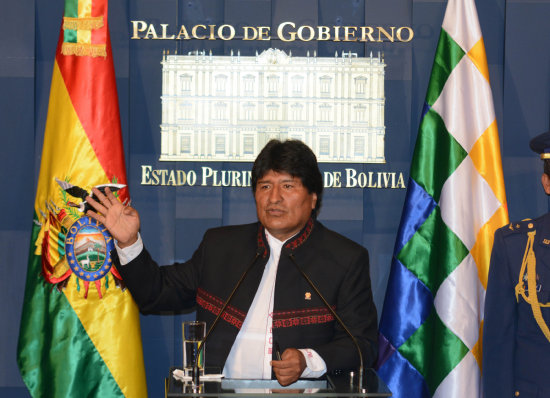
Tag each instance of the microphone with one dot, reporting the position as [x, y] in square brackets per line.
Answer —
[195, 375]
[335, 315]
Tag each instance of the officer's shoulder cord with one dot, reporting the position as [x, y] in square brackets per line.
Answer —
[530, 262]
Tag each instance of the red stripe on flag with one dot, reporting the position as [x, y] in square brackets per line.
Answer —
[100, 8]
[91, 85]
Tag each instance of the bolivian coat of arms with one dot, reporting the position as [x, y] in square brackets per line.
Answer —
[74, 244]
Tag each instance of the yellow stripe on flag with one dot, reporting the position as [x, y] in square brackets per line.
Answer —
[485, 155]
[65, 154]
[478, 57]
[84, 11]
[477, 350]
[481, 251]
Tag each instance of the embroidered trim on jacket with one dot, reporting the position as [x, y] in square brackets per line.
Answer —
[291, 244]
[302, 237]
[309, 316]
[261, 242]
[213, 304]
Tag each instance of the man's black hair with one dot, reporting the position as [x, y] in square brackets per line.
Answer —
[292, 157]
[547, 167]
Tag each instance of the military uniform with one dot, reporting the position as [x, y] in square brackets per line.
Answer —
[516, 340]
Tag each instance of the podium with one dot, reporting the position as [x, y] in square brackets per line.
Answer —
[340, 385]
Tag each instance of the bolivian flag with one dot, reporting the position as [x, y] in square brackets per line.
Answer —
[80, 334]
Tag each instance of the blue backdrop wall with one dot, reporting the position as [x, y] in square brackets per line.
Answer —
[174, 218]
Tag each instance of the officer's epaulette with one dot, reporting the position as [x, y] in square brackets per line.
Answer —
[522, 226]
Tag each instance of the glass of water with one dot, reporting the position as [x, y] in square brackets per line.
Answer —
[193, 332]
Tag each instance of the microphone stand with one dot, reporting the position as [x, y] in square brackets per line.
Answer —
[340, 322]
[195, 375]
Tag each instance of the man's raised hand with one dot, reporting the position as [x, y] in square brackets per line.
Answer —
[122, 221]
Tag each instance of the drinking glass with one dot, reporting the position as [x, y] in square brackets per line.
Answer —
[193, 332]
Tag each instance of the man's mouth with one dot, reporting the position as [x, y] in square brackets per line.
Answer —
[275, 212]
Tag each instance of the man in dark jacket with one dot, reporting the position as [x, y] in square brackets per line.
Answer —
[274, 303]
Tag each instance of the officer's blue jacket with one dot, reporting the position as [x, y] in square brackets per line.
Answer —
[516, 353]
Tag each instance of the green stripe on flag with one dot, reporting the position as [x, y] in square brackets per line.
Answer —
[71, 11]
[434, 360]
[69, 36]
[55, 354]
[71, 8]
[433, 252]
[437, 154]
[447, 56]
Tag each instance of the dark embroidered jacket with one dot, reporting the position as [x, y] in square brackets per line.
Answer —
[338, 266]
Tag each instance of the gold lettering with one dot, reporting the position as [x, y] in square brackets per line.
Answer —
[194, 32]
[183, 32]
[215, 182]
[236, 178]
[207, 172]
[151, 31]
[171, 178]
[164, 26]
[181, 177]
[246, 30]
[401, 181]
[323, 33]
[385, 33]
[231, 32]
[348, 33]
[409, 31]
[281, 34]
[336, 33]
[146, 175]
[286, 32]
[366, 32]
[370, 181]
[212, 32]
[263, 32]
[139, 26]
[311, 33]
[386, 179]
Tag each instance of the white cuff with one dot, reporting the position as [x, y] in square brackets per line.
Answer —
[315, 365]
[127, 254]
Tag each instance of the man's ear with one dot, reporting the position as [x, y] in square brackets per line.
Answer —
[545, 180]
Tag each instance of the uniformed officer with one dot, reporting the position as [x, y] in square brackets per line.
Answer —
[516, 334]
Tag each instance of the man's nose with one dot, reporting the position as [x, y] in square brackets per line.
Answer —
[275, 194]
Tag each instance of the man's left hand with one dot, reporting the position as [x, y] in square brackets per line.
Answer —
[290, 367]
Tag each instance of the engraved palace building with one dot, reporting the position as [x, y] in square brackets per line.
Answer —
[226, 108]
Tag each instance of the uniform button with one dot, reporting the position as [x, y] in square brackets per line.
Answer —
[517, 394]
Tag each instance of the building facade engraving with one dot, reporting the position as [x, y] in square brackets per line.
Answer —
[226, 108]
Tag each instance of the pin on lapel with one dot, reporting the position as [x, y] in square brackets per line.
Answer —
[308, 296]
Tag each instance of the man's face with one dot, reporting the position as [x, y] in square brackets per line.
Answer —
[283, 204]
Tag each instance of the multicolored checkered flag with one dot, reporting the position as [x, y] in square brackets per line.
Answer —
[430, 330]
